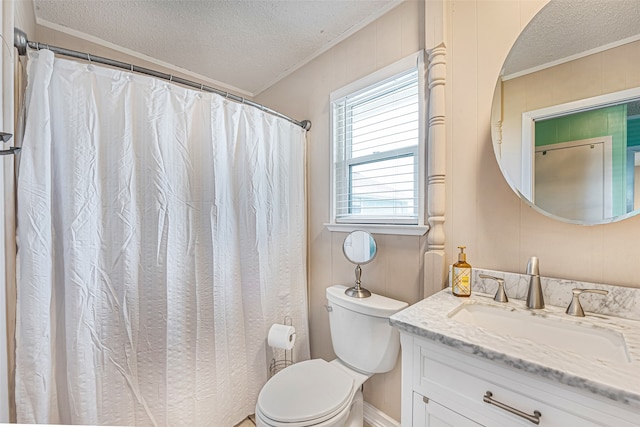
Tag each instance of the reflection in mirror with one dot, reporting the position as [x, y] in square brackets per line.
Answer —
[359, 247]
[565, 119]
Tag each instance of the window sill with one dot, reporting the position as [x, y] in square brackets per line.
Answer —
[397, 229]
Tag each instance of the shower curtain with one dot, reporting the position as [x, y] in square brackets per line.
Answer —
[160, 234]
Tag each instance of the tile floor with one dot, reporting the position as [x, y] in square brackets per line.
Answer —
[247, 423]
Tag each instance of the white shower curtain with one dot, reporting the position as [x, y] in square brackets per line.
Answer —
[160, 234]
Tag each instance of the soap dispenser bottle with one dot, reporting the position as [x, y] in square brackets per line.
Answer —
[461, 275]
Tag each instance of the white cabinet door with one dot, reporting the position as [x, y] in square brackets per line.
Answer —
[429, 413]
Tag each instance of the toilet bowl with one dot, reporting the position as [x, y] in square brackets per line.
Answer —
[328, 394]
[311, 393]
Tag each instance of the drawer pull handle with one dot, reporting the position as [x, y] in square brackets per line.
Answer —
[535, 418]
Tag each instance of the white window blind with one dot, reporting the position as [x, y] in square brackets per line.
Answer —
[376, 134]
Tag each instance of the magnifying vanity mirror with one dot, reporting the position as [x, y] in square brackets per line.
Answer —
[566, 111]
[359, 247]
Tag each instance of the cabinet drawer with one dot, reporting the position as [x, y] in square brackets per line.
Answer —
[461, 382]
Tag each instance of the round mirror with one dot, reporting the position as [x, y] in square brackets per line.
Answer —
[566, 111]
[359, 247]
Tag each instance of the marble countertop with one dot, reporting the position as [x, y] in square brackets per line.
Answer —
[619, 381]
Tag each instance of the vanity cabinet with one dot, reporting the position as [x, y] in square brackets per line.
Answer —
[443, 386]
[430, 413]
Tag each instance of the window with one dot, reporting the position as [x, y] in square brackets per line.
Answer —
[377, 166]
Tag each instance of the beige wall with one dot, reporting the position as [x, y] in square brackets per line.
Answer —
[500, 231]
[24, 16]
[482, 212]
[396, 271]
[609, 71]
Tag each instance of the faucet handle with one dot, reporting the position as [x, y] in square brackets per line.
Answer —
[575, 308]
[501, 294]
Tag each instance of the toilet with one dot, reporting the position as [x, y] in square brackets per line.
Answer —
[328, 394]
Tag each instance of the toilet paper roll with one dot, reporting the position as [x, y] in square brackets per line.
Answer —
[282, 336]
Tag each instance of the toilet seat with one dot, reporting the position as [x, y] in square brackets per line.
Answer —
[306, 393]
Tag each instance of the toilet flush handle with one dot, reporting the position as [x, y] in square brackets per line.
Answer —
[329, 308]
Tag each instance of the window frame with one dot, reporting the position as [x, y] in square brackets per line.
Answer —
[398, 225]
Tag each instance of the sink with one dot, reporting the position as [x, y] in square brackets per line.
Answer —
[589, 341]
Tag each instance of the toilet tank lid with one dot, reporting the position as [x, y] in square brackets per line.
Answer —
[375, 305]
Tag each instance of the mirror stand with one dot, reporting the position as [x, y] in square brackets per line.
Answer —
[358, 291]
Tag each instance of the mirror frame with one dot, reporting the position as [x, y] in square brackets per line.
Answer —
[371, 239]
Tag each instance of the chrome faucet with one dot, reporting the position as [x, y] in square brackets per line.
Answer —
[535, 299]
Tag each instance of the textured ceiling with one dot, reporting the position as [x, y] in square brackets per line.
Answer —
[569, 27]
[246, 45]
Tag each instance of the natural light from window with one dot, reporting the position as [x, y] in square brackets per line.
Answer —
[376, 158]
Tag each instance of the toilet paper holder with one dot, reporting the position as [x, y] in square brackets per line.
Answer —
[278, 364]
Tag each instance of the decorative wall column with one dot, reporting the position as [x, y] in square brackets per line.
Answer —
[435, 44]
[436, 162]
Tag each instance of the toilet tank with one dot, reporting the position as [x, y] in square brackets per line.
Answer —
[360, 331]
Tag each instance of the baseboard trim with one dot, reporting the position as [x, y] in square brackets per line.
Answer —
[376, 418]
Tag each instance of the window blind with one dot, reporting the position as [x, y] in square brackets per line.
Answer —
[376, 136]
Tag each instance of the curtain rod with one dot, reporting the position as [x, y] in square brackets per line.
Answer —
[21, 42]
